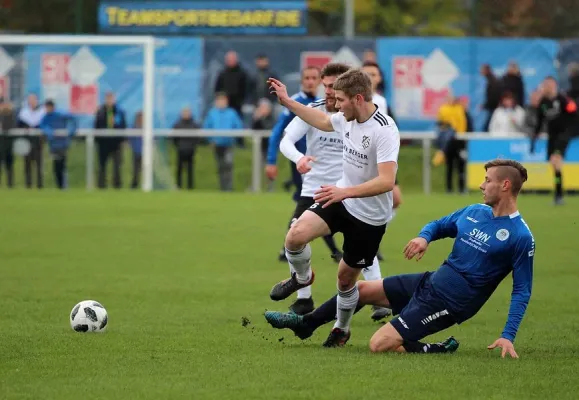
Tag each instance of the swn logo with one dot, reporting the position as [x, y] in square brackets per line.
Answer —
[479, 235]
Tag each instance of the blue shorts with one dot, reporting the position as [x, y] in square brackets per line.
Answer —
[420, 312]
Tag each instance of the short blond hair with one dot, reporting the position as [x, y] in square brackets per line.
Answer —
[354, 82]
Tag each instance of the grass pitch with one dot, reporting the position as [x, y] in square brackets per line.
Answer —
[178, 271]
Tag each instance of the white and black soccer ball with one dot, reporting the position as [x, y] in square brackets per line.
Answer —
[88, 316]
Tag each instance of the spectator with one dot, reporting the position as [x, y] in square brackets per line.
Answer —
[493, 94]
[221, 116]
[186, 147]
[260, 88]
[531, 119]
[7, 122]
[29, 117]
[573, 71]
[464, 101]
[233, 82]
[109, 116]
[136, 143]
[509, 118]
[513, 82]
[263, 119]
[452, 117]
[57, 143]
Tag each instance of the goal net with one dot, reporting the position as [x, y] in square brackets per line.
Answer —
[149, 84]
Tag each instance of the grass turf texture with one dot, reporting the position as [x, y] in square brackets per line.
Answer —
[178, 271]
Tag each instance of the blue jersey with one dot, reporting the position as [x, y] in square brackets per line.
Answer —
[283, 121]
[485, 251]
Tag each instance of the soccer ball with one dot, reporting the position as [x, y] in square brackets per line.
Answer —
[88, 316]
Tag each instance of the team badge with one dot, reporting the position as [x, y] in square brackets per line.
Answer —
[503, 234]
[365, 141]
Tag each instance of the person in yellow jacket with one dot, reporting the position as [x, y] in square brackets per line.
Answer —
[452, 115]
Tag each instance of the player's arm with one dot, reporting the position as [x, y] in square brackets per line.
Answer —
[523, 259]
[538, 126]
[383, 183]
[296, 130]
[316, 118]
[444, 227]
[275, 138]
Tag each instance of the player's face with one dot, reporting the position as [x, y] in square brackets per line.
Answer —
[328, 82]
[492, 187]
[345, 105]
[375, 76]
[311, 80]
[550, 87]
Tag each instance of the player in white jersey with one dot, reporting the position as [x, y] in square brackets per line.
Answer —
[373, 70]
[359, 205]
[321, 165]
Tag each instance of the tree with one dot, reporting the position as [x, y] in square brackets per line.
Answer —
[392, 17]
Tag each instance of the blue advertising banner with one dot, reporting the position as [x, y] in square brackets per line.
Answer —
[77, 78]
[204, 17]
[422, 72]
[540, 173]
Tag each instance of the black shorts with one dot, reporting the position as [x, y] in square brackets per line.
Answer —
[558, 144]
[420, 312]
[303, 203]
[361, 240]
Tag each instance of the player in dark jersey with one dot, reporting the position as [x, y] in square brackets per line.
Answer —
[560, 113]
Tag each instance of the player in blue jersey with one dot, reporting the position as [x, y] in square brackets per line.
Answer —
[311, 80]
[491, 241]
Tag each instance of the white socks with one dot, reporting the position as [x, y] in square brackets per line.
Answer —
[299, 261]
[372, 272]
[303, 293]
[347, 302]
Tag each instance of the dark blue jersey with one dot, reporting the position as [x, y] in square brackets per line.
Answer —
[486, 249]
[284, 119]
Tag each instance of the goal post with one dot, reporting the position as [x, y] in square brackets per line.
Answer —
[147, 43]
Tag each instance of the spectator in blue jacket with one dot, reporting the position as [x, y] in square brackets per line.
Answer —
[58, 143]
[223, 117]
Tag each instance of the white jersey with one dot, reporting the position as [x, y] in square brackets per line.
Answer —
[325, 147]
[380, 102]
[366, 145]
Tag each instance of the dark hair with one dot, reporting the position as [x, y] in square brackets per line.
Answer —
[353, 82]
[49, 103]
[511, 170]
[508, 95]
[371, 64]
[334, 69]
[261, 56]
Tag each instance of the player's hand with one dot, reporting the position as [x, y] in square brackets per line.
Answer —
[506, 345]
[271, 171]
[303, 166]
[329, 194]
[279, 89]
[415, 248]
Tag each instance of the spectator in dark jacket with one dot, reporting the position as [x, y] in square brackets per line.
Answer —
[58, 144]
[136, 143]
[186, 146]
[7, 122]
[493, 94]
[233, 82]
[260, 88]
[29, 117]
[513, 82]
[109, 116]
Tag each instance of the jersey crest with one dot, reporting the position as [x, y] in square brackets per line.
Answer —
[365, 142]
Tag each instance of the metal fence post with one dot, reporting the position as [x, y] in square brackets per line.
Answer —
[256, 162]
[89, 144]
[426, 176]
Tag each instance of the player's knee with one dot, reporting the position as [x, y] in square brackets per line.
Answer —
[383, 343]
[294, 239]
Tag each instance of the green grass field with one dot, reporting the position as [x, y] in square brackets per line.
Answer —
[178, 271]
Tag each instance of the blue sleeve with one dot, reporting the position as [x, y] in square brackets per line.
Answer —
[46, 128]
[444, 227]
[208, 122]
[73, 124]
[274, 140]
[237, 124]
[523, 258]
